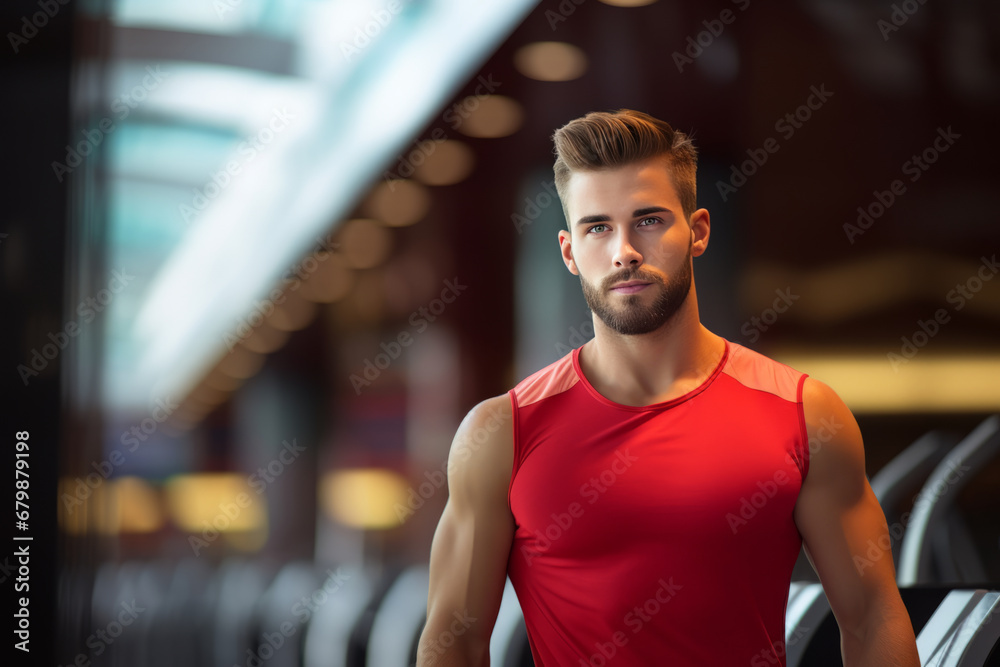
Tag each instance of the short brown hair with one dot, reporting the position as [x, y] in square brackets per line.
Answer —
[608, 139]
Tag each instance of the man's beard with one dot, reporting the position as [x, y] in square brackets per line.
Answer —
[630, 317]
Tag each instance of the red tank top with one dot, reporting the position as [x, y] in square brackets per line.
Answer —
[661, 534]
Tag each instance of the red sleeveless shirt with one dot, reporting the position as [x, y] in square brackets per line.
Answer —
[660, 534]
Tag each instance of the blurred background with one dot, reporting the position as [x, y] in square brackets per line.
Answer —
[260, 258]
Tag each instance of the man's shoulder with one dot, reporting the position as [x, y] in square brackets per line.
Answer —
[482, 454]
[489, 415]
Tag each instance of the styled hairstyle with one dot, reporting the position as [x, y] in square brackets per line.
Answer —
[608, 139]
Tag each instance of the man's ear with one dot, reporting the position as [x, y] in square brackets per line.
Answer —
[566, 248]
[701, 228]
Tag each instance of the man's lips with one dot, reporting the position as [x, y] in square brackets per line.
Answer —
[630, 287]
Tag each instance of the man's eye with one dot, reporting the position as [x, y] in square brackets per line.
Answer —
[595, 228]
[649, 220]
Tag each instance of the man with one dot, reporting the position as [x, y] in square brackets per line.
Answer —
[648, 493]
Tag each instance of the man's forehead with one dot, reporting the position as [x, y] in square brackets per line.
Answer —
[651, 170]
[647, 182]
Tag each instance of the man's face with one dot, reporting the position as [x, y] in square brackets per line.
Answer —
[631, 245]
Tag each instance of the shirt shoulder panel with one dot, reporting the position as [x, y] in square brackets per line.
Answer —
[755, 371]
[555, 378]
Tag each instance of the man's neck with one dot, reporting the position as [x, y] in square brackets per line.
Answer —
[654, 367]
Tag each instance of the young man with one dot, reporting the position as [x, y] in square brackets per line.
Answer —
[649, 492]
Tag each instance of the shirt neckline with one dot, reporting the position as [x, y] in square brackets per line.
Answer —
[653, 406]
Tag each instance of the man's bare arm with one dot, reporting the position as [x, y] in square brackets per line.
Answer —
[471, 545]
[840, 519]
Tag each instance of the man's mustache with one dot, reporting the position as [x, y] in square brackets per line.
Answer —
[632, 275]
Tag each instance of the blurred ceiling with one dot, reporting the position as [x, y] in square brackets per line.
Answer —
[843, 161]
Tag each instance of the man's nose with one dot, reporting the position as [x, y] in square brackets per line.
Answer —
[626, 254]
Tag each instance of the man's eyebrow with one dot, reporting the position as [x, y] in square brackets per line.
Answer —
[639, 212]
[588, 219]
